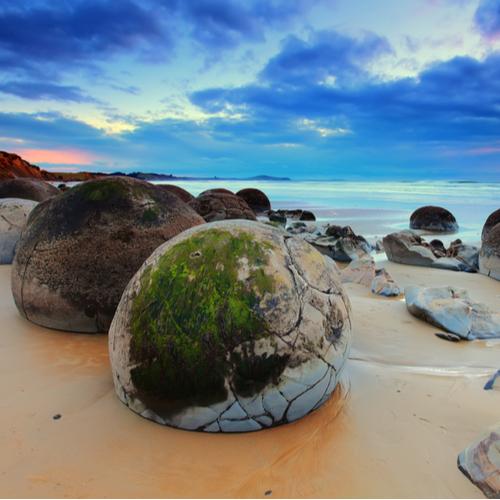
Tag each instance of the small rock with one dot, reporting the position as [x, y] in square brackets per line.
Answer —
[491, 384]
[57, 416]
[451, 337]
[277, 218]
[384, 284]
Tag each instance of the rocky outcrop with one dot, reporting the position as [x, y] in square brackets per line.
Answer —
[405, 247]
[489, 255]
[454, 311]
[256, 199]
[80, 249]
[13, 166]
[341, 243]
[384, 284]
[222, 206]
[480, 462]
[14, 214]
[298, 227]
[435, 219]
[27, 189]
[230, 327]
[361, 271]
[491, 221]
[181, 193]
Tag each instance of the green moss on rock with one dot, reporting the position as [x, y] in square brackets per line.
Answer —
[191, 312]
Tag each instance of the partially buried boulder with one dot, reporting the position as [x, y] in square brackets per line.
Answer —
[221, 206]
[181, 193]
[216, 191]
[27, 189]
[383, 284]
[454, 311]
[435, 219]
[256, 199]
[230, 327]
[80, 249]
[14, 213]
[480, 462]
[489, 255]
[490, 223]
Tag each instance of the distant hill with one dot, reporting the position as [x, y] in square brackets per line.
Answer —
[146, 176]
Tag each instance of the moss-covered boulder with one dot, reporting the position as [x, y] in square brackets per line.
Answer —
[434, 219]
[256, 199]
[222, 206]
[27, 189]
[230, 327]
[14, 214]
[181, 193]
[80, 249]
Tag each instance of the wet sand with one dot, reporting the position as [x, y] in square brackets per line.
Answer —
[415, 402]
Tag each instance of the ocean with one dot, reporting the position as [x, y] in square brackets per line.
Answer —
[375, 208]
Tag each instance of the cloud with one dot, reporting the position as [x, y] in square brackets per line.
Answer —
[45, 91]
[487, 18]
[58, 156]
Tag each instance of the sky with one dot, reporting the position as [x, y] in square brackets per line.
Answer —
[316, 89]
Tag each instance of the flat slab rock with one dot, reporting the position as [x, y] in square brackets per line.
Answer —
[480, 462]
[454, 311]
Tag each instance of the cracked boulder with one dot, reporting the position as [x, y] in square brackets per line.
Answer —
[221, 206]
[14, 213]
[27, 189]
[80, 249]
[230, 327]
[480, 462]
[454, 311]
[489, 255]
[435, 219]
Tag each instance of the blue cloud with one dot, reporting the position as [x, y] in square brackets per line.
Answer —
[487, 18]
[45, 91]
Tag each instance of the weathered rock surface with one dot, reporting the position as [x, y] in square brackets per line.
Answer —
[341, 243]
[298, 214]
[230, 327]
[14, 213]
[27, 189]
[277, 218]
[301, 228]
[222, 206]
[383, 284]
[436, 219]
[405, 247]
[181, 193]
[454, 311]
[491, 221]
[480, 462]
[216, 191]
[361, 271]
[489, 255]
[256, 199]
[80, 249]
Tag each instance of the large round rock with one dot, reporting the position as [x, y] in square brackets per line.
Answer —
[221, 206]
[435, 219]
[181, 193]
[13, 216]
[80, 249]
[230, 327]
[27, 189]
[256, 199]
[491, 221]
[489, 255]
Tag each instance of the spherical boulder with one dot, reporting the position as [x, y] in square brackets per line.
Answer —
[216, 191]
[256, 199]
[221, 206]
[80, 249]
[181, 193]
[230, 327]
[27, 189]
[492, 220]
[435, 219]
[489, 255]
[14, 213]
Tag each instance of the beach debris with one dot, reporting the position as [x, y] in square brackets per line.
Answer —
[492, 220]
[489, 255]
[232, 326]
[383, 284]
[491, 384]
[14, 214]
[406, 247]
[57, 416]
[341, 243]
[27, 189]
[435, 219]
[480, 462]
[222, 206]
[256, 199]
[181, 193]
[454, 311]
[80, 249]
[361, 271]
[450, 337]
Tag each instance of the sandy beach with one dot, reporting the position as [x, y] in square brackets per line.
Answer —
[415, 402]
